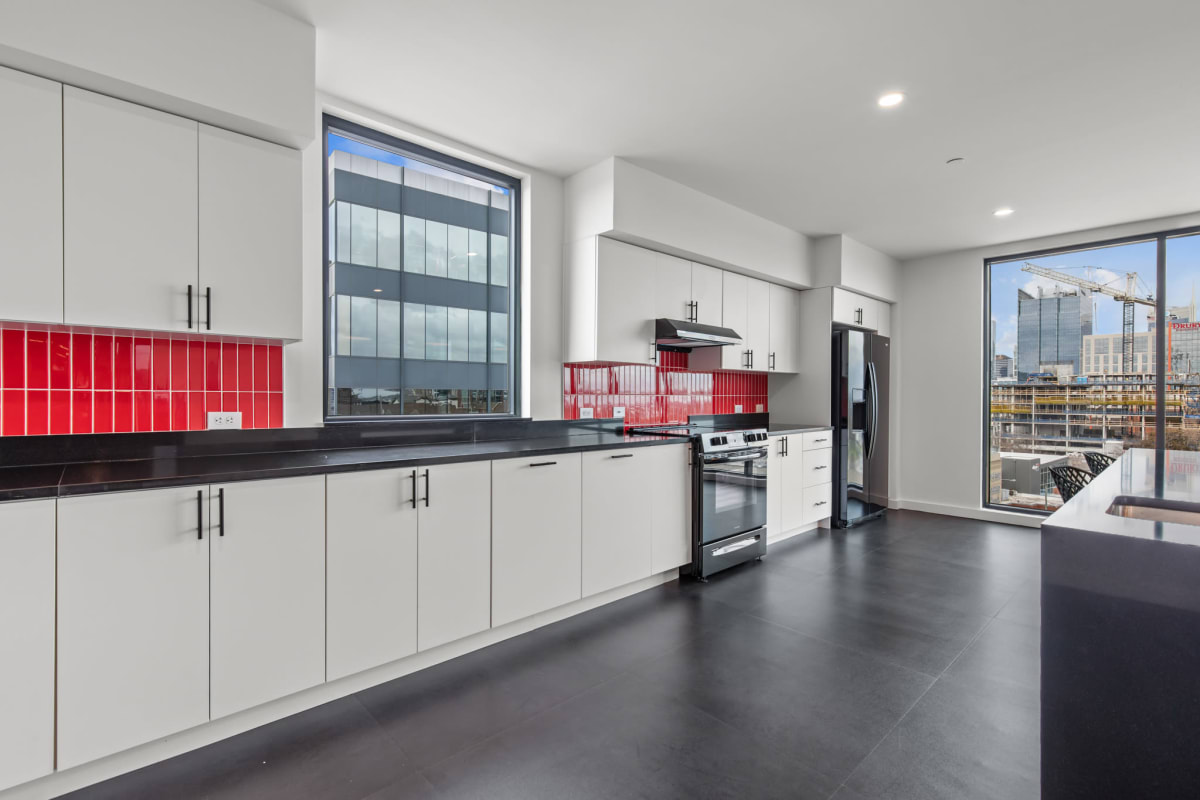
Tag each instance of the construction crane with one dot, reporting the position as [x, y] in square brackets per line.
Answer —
[1129, 297]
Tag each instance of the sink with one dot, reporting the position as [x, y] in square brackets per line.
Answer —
[1155, 509]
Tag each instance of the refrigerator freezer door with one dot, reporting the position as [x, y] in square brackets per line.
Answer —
[878, 368]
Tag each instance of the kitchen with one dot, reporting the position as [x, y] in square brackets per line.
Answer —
[367, 439]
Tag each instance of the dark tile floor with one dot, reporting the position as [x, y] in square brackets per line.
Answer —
[898, 660]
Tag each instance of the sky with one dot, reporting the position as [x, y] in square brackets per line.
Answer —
[1110, 265]
[337, 142]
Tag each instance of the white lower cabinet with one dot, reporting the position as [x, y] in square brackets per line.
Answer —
[618, 518]
[671, 510]
[133, 618]
[371, 569]
[27, 623]
[536, 537]
[454, 553]
[798, 481]
[774, 486]
[816, 503]
[268, 590]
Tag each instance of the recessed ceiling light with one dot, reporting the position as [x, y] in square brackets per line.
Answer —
[891, 99]
[1002, 212]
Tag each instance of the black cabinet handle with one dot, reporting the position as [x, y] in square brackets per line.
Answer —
[822, 466]
[622, 455]
[414, 488]
[221, 511]
[786, 446]
[189, 306]
[819, 503]
[771, 361]
[816, 441]
[200, 514]
[427, 488]
[543, 463]
[751, 359]
[208, 306]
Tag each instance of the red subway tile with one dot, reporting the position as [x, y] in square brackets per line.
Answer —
[179, 411]
[37, 360]
[245, 368]
[143, 364]
[276, 410]
[246, 406]
[60, 362]
[160, 367]
[102, 411]
[161, 411]
[179, 365]
[262, 410]
[212, 366]
[143, 411]
[60, 411]
[229, 368]
[262, 375]
[81, 411]
[275, 368]
[229, 401]
[37, 412]
[212, 402]
[81, 364]
[123, 362]
[12, 412]
[197, 420]
[123, 412]
[102, 361]
[196, 362]
[12, 358]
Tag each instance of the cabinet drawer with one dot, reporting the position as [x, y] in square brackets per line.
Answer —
[817, 502]
[817, 466]
[817, 440]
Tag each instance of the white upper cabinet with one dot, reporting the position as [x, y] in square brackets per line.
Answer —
[734, 315]
[706, 294]
[618, 518]
[31, 223]
[250, 261]
[757, 336]
[625, 303]
[672, 287]
[130, 214]
[785, 329]
[132, 619]
[861, 312]
[27, 623]
[268, 590]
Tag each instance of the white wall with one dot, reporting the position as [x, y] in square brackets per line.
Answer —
[231, 63]
[940, 321]
[541, 278]
[839, 260]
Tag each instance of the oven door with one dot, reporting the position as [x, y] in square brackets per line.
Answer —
[733, 493]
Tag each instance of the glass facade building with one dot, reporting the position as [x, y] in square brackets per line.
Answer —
[1050, 331]
[420, 286]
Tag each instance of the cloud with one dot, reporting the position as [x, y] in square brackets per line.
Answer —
[1006, 336]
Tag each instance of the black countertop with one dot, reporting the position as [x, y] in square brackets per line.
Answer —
[91, 477]
[784, 427]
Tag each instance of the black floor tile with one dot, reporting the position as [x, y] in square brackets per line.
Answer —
[410, 787]
[1026, 605]
[1000, 549]
[1007, 652]
[624, 739]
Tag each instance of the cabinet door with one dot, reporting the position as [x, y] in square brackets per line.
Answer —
[27, 622]
[371, 569]
[672, 287]
[31, 221]
[883, 318]
[818, 464]
[706, 294]
[249, 235]
[454, 576]
[791, 486]
[671, 468]
[129, 212]
[757, 335]
[268, 590]
[785, 328]
[536, 543]
[733, 315]
[625, 312]
[132, 620]
[775, 486]
[617, 518]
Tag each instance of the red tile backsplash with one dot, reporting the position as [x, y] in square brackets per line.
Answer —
[82, 380]
[669, 392]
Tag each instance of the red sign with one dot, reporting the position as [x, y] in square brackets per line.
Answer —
[1185, 326]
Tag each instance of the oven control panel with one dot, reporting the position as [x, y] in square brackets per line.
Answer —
[723, 441]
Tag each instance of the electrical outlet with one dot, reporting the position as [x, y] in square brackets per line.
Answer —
[737, 409]
[220, 420]
[619, 412]
[758, 408]
[587, 413]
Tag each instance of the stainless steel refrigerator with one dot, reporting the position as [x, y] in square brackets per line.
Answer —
[860, 428]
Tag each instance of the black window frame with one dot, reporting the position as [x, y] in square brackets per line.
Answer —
[1160, 343]
[370, 136]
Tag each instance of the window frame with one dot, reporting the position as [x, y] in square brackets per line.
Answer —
[370, 136]
[1160, 355]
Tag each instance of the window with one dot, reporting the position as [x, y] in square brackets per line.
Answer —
[1079, 361]
[421, 286]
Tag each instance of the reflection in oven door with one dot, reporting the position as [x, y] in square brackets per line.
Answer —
[734, 495]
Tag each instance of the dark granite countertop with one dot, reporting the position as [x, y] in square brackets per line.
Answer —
[55, 480]
[1133, 474]
[784, 427]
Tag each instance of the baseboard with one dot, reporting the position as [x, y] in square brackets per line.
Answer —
[986, 514]
[776, 538]
[78, 777]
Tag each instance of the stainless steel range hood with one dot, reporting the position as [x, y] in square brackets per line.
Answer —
[686, 335]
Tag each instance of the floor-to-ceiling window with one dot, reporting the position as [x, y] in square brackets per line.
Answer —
[1085, 348]
[421, 314]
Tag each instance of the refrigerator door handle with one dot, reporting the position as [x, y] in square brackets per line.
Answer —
[873, 409]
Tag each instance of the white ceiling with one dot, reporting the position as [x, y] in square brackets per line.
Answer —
[1077, 113]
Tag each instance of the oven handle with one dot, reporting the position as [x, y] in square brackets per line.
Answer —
[757, 454]
[733, 548]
